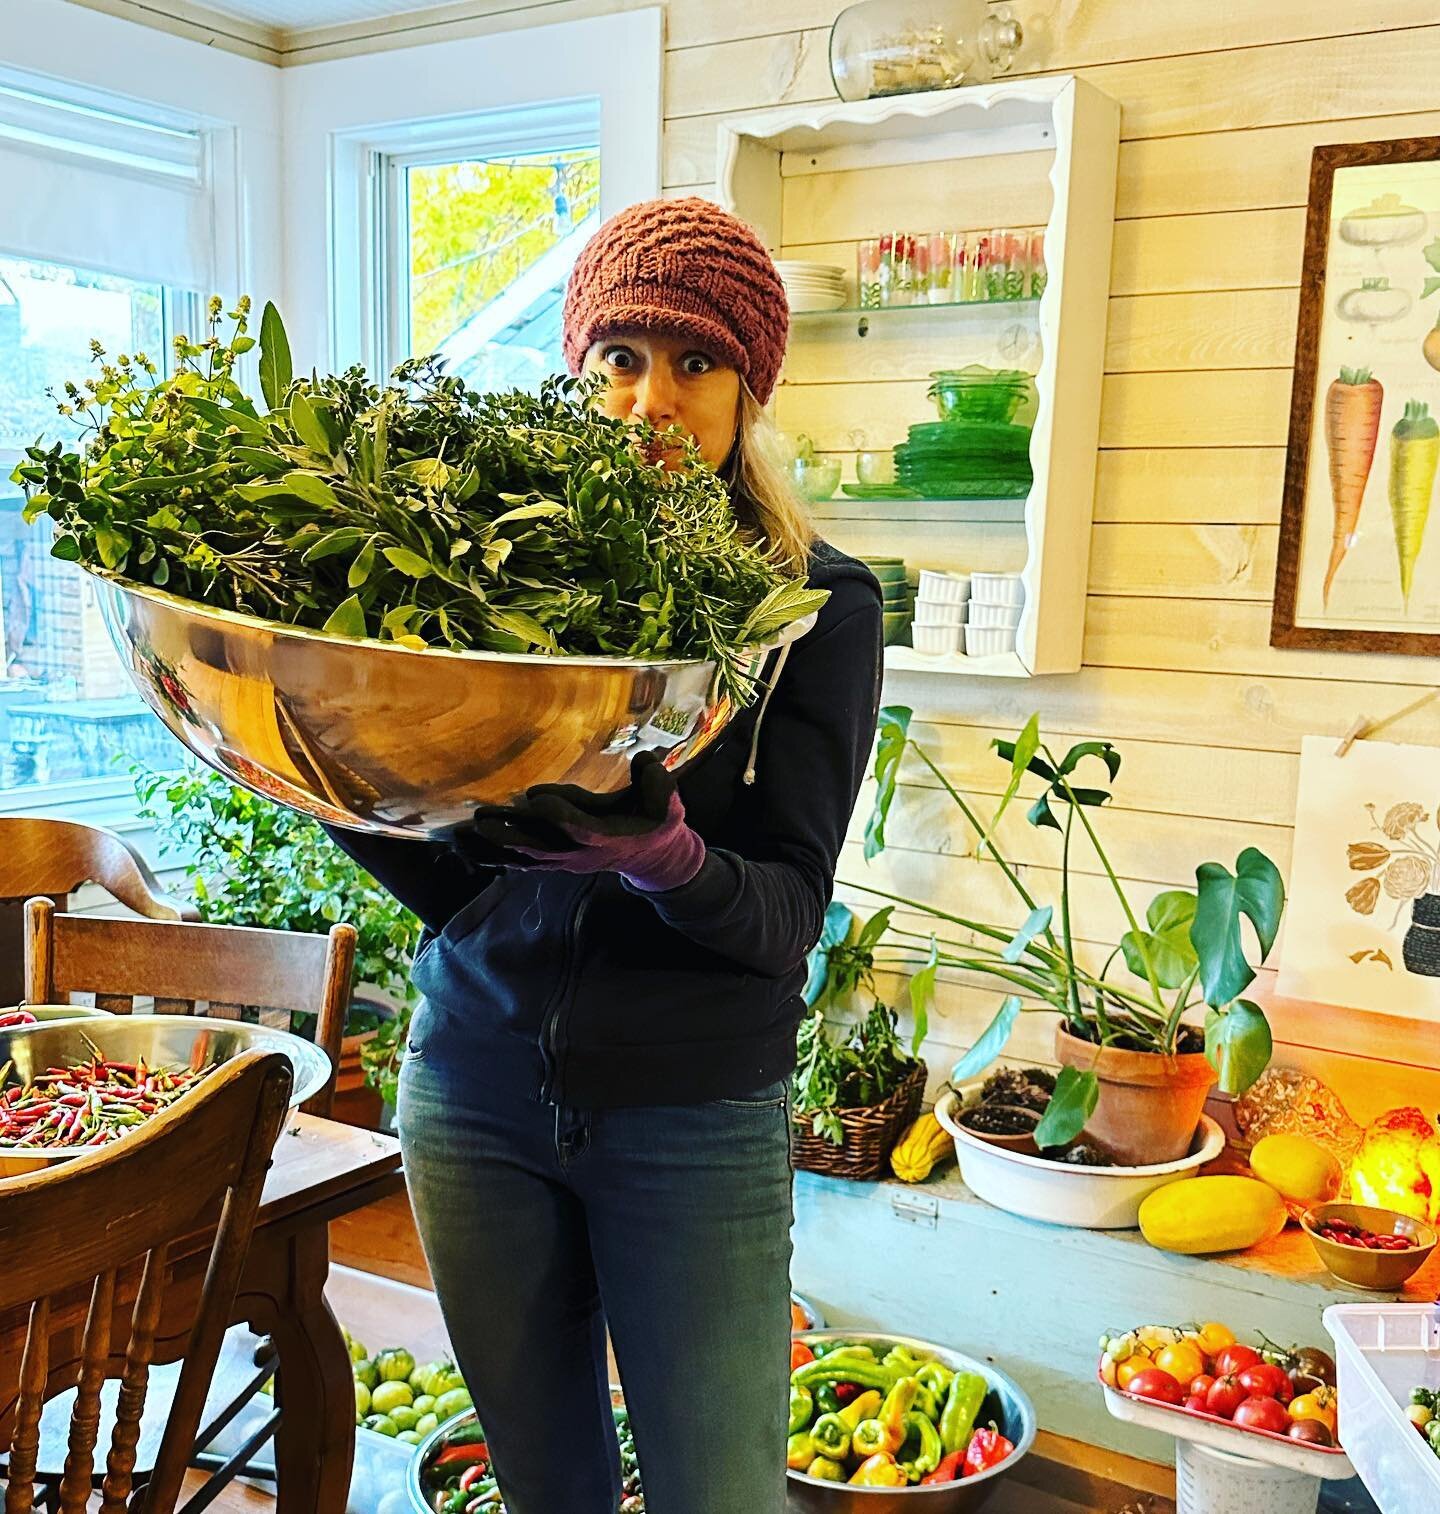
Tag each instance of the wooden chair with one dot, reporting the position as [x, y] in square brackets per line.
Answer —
[80, 1298]
[227, 968]
[54, 858]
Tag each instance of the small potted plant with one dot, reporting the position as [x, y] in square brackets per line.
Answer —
[856, 1087]
[251, 862]
[1135, 1069]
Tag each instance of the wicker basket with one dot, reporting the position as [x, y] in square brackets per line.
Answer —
[870, 1134]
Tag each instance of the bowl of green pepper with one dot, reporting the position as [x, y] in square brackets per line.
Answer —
[882, 1424]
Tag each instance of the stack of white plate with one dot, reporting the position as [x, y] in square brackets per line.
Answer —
[812, 286]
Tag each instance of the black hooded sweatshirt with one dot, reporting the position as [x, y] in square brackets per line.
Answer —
[588, 992]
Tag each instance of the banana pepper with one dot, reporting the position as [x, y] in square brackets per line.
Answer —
[962, 1406]
[879, 1471]
[885, 1434]
[927, 1403]
[800, 1451]
[867, 1406]
[831, 1436]
[826, 1470]
[920, 1430]
[802, 1406]
[935, 1376]
[834, 1368]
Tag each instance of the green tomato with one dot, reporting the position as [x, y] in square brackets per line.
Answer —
[391, 1395]
[362, 1400]
[452, 1403]
[410, 1437]
[405, 1419]
[358, 1352]
[417, 1380]
[366, 1372]
[394, 1365]
[426, 1423]
[424, 1403]
[381, 1424]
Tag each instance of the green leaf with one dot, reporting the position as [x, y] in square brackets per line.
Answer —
[360, 568]
[1168, 940]
[1021, 753]
[113, 545]
[835, 931]
[312, 489]
[529, 512]
[781, 607]
[1038, 921]
[411, 564]
[1040, 813]
[990, 1044]
[340, 540]
[523, 627]
[894, 732]
[1255, 891]
[223, 415]
[1082, 749]
[1071, 1105]
[306, 425]
[1431, 253]
[1238, 1044]
[1429, 287]
[275, 370]
[874, 928]
[348, 618]
[66, 548]
[922, 996]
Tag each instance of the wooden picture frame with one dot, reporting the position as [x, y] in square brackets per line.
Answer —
[1364, 332]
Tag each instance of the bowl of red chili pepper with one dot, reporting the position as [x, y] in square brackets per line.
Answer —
[882, 1424]
[71, 1086]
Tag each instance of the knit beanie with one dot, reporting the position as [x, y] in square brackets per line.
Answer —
[682, 267]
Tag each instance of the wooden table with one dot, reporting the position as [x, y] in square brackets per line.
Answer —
[321, 1169]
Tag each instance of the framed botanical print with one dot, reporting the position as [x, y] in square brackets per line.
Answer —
[1359, 559]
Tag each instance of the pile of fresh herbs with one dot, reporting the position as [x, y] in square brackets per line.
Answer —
[421, 513]
[859, 1063]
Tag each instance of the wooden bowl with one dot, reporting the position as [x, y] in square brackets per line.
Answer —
[1378, 1271]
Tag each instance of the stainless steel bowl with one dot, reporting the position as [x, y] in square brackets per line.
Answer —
[1013, 1413]
[46, 1013]
[393, 740]
[192, 1041]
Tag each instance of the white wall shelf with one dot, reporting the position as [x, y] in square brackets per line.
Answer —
[760, 157]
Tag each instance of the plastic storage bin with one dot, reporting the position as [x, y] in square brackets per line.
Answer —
[1382, 1351]
[1208, 1481]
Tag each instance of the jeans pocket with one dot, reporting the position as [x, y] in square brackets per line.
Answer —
[774, 1096]
[420, 1031]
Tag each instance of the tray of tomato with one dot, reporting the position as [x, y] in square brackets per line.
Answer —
[1199, 1383]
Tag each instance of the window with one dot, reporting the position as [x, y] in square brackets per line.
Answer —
[67, 708]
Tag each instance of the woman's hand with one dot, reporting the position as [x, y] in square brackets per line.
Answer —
[641, 832]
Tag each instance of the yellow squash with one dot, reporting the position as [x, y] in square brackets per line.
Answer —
[1300, 1170]
[1212, 1214]
[916, 1152]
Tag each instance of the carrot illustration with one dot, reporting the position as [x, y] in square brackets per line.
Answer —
[1352, 423]
[1414, 455]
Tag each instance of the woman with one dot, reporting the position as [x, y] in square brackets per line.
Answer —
[593, 1106]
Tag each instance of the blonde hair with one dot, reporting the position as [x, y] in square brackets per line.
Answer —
[764, 499]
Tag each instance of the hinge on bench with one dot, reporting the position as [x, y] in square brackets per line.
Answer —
[916, 1208]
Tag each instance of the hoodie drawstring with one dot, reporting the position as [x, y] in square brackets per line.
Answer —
[760, 718]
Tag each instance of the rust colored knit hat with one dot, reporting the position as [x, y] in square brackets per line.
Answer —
[683, 266]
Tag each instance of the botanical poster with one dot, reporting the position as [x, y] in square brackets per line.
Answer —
[1362, 927]
[1369, 550]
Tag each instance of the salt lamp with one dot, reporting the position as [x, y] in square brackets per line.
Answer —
[1398, 1165]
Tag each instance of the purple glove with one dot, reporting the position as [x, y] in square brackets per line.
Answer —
[640, 833]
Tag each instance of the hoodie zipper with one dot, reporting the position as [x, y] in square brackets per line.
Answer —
[552, 1040]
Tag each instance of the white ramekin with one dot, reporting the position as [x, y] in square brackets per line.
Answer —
[930, 613]
[944, 588]
[994, 615]
[935, 641]
[988, 641]
[997, 588]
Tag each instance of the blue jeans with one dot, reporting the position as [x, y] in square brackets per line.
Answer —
[543, 1224]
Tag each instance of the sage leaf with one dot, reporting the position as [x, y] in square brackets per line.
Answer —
[347, 618]
[275, 371]
[409, 563]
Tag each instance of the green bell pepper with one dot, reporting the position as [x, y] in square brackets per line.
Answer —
[920, 1429]
[802, 1407]
[827, 1400]
[826, 1470]
[831, 1436]
[800, 1451]
[962, 1406]
[936, 1376]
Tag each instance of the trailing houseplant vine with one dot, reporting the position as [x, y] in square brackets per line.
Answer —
[1187, 954]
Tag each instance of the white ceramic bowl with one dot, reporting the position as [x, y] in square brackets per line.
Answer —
[997, 588]
[988, 641]
[929, 613]
[944, 588]
[994, 615]
[935, 641]
[1087, 1198]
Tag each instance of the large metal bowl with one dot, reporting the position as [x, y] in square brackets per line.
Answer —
[46, 1013]
[193, 1041]
[1008, 1404]
[394, 740]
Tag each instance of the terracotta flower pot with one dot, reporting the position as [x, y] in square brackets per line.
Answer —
[1150, 1105]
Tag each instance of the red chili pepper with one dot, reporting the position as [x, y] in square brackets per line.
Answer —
[471, 1475]
[463, 1456]
[949, 1470]
[987, 1448]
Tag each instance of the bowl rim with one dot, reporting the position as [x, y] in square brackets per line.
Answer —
[1421, 1249]
[993, 1375]
[239, 620]
[1211, 1145]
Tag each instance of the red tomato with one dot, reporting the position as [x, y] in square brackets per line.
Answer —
[1235, 1359]
[800, 1353]
[1225, 1396]
[1196, 1404]
[1201, 1384]
[1267, 1381]
[1263, 1414]
[1160, 1386]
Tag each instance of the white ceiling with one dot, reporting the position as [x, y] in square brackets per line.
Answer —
[300, 15]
